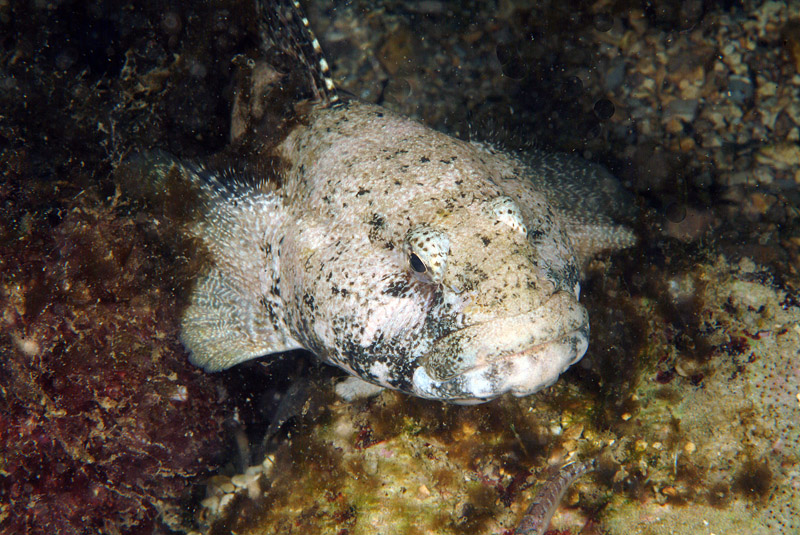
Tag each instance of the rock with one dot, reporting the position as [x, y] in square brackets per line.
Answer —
[740, 89]
[685, 110]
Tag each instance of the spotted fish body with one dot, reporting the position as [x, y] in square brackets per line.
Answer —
[413, 260]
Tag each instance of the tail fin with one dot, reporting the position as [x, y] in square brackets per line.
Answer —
[283, 25]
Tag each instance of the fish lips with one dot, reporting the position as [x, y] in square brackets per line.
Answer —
[519, 354]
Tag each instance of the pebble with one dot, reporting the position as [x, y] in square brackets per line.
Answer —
[211, 503]
[780, 156]
[685, 110]
[225, 501]
[243, 480]
[615, 75]
[740, 89]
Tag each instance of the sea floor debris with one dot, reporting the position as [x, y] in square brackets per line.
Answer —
[706, 432]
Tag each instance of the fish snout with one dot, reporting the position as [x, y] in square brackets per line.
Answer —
[520, 354]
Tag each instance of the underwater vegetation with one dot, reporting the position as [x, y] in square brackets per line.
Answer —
[687, 396]
[102, 426]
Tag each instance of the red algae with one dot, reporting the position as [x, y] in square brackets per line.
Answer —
[104, 426]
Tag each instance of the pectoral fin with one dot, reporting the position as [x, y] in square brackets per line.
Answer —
[223, 327]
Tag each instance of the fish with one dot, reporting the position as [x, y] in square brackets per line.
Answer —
[412, 260]
[544, 504]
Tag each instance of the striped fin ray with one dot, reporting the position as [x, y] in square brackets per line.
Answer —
[283, 25]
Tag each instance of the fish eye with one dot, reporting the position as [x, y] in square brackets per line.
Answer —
[507, 212]
[417, 264]
[427, 249]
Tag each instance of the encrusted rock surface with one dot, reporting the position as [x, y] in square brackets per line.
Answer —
[699, 432]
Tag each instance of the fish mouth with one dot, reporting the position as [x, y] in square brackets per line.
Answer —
[519, 354]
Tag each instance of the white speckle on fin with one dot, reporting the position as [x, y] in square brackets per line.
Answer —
[221, 328]
[235, 314]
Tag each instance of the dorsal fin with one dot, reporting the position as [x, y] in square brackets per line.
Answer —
[282, 24]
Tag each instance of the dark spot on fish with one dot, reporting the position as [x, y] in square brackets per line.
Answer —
[396, 288]
[362, 191]
[485, 240]
[424, 159]
[269, 306]
[534, 235]
[377, 221]
[344, 292]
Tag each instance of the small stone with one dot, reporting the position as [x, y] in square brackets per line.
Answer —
[683, 109]
[268, 464]
[746, 265]
[211, 503]
[28, 346]
[687, 144]
[225, 501]
[573, 498]
[740, 89]
[468, 429]
[767, 89]
[242, 480]
[782, 155]
[574, 432]
[689, 448]
[686, 367]
[218, 485]
[615, 75]
[674, 126]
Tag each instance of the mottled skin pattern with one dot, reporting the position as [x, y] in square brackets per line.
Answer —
[413, 260]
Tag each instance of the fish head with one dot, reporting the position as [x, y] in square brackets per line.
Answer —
[429, 278]
[506, 316]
